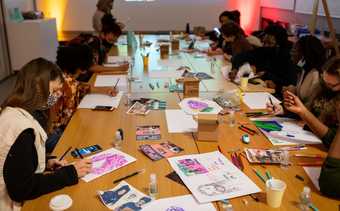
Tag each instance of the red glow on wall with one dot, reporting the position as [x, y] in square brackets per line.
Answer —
[250, 13]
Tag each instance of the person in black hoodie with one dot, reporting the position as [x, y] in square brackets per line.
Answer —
[273, 60]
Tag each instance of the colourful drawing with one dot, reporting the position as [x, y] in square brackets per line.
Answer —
[197, 105]
[134, 206]
[111, 197]
[191, 167]
[107, 162]
[173, 208]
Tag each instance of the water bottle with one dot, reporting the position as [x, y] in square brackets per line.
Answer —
[118, 140]
[305, 199]
[153, 189]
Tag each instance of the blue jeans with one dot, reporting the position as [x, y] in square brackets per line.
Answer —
[53, 139]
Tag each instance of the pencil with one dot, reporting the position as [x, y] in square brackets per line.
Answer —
[258, 174]
[65, 153]
[246, 130]
[254, 131]
[128, 176]
[80, 155]
[114, 87]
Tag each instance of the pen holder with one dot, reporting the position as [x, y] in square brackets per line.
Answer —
[164, 49]
[190, 86]
[208, 127]
[174, 45]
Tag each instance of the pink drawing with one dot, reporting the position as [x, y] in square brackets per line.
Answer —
[107, 162]
[197, 105]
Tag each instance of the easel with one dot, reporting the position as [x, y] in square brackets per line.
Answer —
[312, 24]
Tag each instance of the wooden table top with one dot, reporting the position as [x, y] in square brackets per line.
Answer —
[89, 127]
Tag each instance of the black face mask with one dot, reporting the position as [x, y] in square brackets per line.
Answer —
[107, 44]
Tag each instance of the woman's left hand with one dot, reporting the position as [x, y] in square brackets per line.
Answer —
[54, 164]
[113, 92]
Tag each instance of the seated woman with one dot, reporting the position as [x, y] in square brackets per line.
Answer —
[219, 46]
[74, 60]
[104, 7]
[272, 60]
[235, 37]
[329, 180]
[309, 56]
[320, 116]
[102, 44]
[22, 139]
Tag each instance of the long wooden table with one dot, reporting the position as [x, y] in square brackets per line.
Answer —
[89, 127]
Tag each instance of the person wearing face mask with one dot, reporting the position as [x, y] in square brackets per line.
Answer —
[104, 7]
[320, 117]
[309, 55]
[22, 139]
[272, 61]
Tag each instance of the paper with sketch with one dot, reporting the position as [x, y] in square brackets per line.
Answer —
[180, 203]
[211, 177]
[194, 106]
[118, 59]
[124, 197]
[180, 122]
[165, 74]
[258, 100]
[291, 132]
[314, 175]
[110, 81]
[106, 162]
[90, 101]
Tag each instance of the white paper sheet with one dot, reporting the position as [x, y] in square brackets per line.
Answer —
[185, 107]
[124, 196]
[90, 101]
[258, 100]
[175, 63]
[110, 81]
[211, 177]
[180, 203]
[314, 175]
[106, 162]
[180, 122]
[118, 59]
[165, 74]
[291, 133]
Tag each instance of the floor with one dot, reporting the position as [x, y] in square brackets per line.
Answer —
[6, 87]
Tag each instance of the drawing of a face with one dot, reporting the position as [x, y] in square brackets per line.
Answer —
[211, 189]
[143, 201]
[173, 208]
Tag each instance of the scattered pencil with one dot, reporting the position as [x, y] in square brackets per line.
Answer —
[299, 177]
[128, 176]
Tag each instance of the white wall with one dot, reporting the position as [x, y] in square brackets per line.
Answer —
[151, 16]
[24, 5]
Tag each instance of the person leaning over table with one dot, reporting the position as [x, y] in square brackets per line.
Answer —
[272, 61]
[320, 116]
[308, 55]
[26, 172]
[104, 7]
[234, 35]
[74, 60]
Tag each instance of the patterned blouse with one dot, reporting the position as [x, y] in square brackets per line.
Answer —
[72, 92]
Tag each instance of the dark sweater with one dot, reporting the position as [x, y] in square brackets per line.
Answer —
[329, 180]
[21, 162]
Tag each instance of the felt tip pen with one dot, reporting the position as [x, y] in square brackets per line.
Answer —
[258, 174]
[269, 176]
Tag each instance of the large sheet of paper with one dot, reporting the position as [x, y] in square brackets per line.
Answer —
[211, 177]
[314, 175]
[110, 81]
[194, 106]
[165, 74]
[258, 100]
[124, 197]
[180, 122]
[106, 162]
[180, 203]
[90, 101]
[174, 63]
[291, 133]
[118, 59]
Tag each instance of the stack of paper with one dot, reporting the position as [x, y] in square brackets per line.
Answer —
[110, 81]
[258, 100]
[180, 122]
[180, 203]
[90, 101]
[118, 59]
[211, 177]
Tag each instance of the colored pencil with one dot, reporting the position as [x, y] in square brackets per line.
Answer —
[258, 174]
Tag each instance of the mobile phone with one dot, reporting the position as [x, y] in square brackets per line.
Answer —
[86, 150]
[103, 108]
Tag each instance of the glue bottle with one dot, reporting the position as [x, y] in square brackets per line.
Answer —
[305, 199]
[153, 189]
[118, 139]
